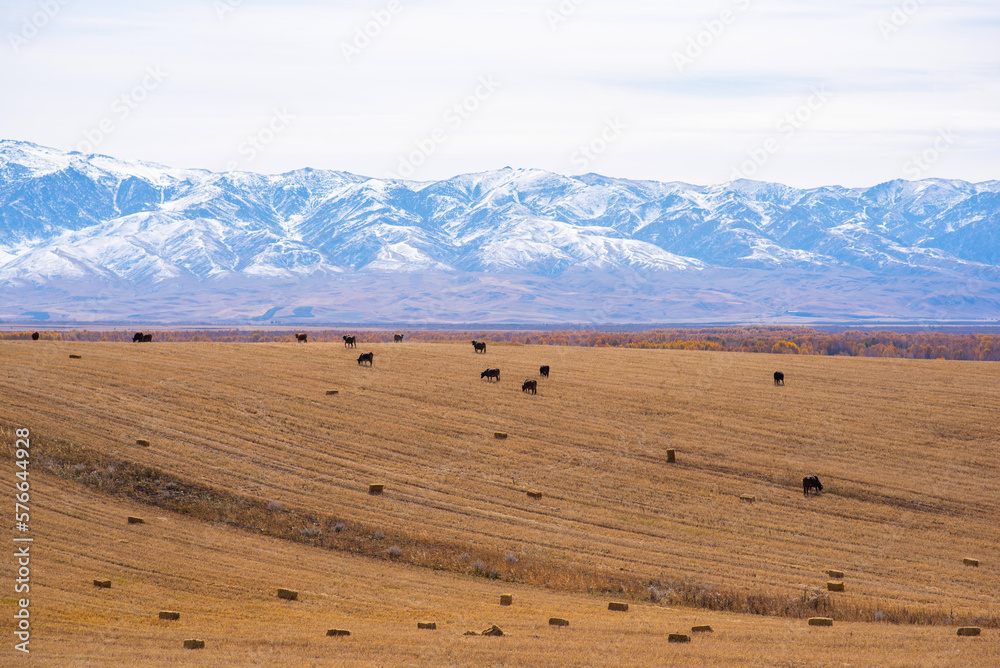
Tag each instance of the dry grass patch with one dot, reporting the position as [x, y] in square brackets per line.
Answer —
[221, 580]
[907, 451]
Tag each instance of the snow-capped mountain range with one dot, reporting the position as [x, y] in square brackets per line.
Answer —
[89, 237]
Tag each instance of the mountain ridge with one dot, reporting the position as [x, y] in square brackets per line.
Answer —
[139, 228]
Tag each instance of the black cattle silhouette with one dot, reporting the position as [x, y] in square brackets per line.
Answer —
[811, 482]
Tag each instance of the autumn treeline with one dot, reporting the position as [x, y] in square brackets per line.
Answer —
[808, 341]
[775, 340]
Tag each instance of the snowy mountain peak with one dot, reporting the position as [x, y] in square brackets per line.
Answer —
[68, 216]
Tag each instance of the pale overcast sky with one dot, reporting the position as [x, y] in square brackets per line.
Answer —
[806, 93]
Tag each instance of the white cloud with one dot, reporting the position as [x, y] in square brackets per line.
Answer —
[558, 87]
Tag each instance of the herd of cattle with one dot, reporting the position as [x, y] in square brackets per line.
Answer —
[529, 385]
[809, 483]
[477, 346]
[491, 374]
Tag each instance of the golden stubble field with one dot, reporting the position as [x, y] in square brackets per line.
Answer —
[223, 582]
[907, 451]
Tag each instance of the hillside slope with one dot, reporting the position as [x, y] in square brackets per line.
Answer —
[223, 583]
[907, 451]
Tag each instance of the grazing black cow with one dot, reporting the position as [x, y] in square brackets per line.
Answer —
[366, 357]
[479, 346]
[397, 338]
[34, 336]
[779, 378]
[302, 338]
[147, 338]
[530, 386]
[137, 338]
[350, 341]
[544, 371]
[811, 482]
[489, 374]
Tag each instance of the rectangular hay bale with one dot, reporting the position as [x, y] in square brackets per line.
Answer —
[170, 615]
[970, 562]
[136, 520]
[103, 584]
[427, 625]
[143, 442]
[556, 621]
[747, 498]
[194, 643]
[76, 357]
[618, 607]
[835, 574]
[820, 621]
[288, 594]
[678, 637]
[338, 632]
[832, 585]
[535, 495]
[500, 434]
[703, 628]
[969, 631]
[671, 456]
[330, 393]
[506, 599]
[375, 490]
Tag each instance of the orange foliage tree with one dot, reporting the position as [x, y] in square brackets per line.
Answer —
[777, 340]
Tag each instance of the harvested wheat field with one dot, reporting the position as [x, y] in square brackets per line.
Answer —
[223, 582]
[255, 478]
